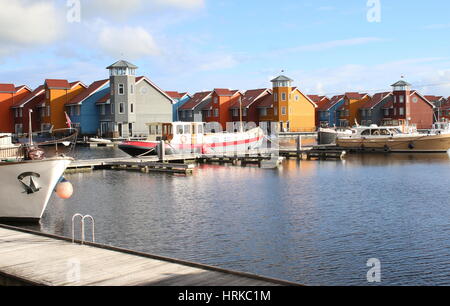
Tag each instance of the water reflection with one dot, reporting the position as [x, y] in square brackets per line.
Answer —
[315, 222]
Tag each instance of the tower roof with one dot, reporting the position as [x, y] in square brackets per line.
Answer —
[401, 83]
[282, 78]
[122, 64]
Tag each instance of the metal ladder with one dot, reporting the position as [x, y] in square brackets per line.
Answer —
[83, 219]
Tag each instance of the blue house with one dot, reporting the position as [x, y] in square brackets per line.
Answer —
[180, 99]
[328, 113]
[83, 111]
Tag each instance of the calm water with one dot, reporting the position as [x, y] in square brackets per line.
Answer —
[312, 222]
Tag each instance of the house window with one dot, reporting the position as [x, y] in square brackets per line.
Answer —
[283, 110]
[78, 108]
[275, 111]
[132, 108]
[112, 89]
[121, 108]
[216, 112]
[402, 111]
[216, 100]
[102, 109]
[244, 112]
[235, 112]
[297, 97]
[263, 112]
[112, 108]
[48, 111]
[386, 112]
[283, 97]
[275, 97]
[121, 89]
[402, 99]
[132, 89]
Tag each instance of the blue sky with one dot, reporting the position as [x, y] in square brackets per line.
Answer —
[327, 47]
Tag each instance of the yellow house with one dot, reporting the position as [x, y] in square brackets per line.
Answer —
[291, 109]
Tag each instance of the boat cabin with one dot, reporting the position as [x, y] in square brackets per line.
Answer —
[166, 131]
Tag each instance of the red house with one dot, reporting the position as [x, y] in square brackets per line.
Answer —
[218, 109]
[320, 101]
[408, 107]
[248, 106]
[21, 110]
[8, 96]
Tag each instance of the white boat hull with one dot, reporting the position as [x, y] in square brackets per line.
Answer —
[19, 203]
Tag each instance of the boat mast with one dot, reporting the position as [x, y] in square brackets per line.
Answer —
[30, 127]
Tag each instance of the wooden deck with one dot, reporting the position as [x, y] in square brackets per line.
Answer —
[31, 258]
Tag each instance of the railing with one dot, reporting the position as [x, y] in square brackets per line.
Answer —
[82, 219]
[11, 152]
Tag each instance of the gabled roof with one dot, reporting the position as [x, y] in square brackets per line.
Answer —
[307, 98]
[144, 78]
[250, 96]
[319, 100]
[73, 84]
[390, 104]
[22, 87]
[196, 100]
[355, 95]
[376, 99]
[282, 78]
[92, 89]
[266, 101]
[57, 84]
[177, 95]
[333, 101]
[7, 88]
[122, 64]
[40, 91]
[435, 99]
[104, 99]
[222, 92]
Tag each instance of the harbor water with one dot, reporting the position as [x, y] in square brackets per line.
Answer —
[312, 222]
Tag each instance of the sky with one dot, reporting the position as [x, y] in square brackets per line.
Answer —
[327, 47]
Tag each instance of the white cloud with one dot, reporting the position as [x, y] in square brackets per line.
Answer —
[219, 62]
[25, 23]
[127, 42]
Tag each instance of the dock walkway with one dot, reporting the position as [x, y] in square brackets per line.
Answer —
[33, 258]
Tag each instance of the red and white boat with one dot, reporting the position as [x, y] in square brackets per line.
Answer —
[190, 137]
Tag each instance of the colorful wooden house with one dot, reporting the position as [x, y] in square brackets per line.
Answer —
[218, 109]
[246, 108]
[57, 94]
[290, 109]
[83, 110]
[371, 112]
[179, 100]
[320, 101]
[328, 112]
[21, 110]
[349, 113]
[191, 111]
[9, 95]
[408, 108]
[438, 102]
[445, 111]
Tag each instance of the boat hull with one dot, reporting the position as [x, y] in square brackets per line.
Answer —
[415, 144]
[210, 144]
[26, 187]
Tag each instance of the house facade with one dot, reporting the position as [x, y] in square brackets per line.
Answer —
[179, 100]
[57, 94]
[218, 109]
[83, 110]
[349, 112]
[320, 101]
[408, 107]
[372, 111]
[438, 102]
[191, 111]
[133, 102]
[328, 112]
[246, 108]
[9, 95]
[21, 110]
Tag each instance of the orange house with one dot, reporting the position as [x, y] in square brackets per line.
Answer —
[8, 96]
[57, 94]
[292, 110]
[349, 112]
[218, 110]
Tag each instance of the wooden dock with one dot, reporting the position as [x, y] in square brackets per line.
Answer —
[34, 258]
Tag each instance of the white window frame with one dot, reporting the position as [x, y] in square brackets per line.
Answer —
[283, 96]
[119, 88]
[283, 111]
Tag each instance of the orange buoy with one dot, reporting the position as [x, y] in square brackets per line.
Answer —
[64, 190]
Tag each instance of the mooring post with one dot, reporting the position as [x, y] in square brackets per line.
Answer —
[299, 145]
[161, 151]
